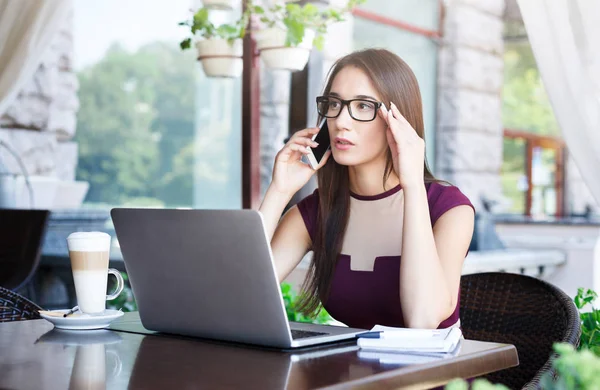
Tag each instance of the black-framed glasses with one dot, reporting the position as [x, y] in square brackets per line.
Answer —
[362, 110]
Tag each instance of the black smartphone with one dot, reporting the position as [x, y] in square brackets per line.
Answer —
[315, 155]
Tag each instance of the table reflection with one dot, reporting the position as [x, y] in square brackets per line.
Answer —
[169, 362]
[95, 362]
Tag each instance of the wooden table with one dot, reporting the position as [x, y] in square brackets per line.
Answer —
[33, 355]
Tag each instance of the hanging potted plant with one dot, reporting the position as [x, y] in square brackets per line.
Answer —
[220, 4]
[220, 49]
[292, 30]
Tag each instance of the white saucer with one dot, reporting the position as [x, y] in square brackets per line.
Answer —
[79, 321]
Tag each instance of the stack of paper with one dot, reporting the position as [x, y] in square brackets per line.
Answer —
[405, 346]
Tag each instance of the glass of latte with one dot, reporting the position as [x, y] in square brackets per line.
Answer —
[89, 254]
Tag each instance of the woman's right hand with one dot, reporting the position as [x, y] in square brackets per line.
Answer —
[290, 173]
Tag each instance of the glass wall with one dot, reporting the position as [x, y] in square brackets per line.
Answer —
[152, 130]
[418, 51]
[533, 174]
[514, 174]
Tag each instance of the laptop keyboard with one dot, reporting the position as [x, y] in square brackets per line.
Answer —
[301, 334]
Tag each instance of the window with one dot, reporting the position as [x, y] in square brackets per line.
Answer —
[533, 172]
[152, 130]
[408, 29]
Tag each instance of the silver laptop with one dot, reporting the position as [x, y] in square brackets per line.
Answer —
[210, 274]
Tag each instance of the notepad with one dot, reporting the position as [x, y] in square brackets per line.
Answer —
[406, 358]
[410, 340]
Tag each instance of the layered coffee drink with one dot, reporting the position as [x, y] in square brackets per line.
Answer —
[89, 253]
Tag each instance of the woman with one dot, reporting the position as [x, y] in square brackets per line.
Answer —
[389, 240]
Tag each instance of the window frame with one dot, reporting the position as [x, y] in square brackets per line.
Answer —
[545, 142]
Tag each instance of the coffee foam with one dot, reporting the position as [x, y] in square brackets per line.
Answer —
[89, 242]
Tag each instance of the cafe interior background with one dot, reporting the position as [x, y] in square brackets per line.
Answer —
[103, 109]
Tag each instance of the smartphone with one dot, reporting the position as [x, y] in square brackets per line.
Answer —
[315, 155]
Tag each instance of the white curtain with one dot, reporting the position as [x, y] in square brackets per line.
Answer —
[565, 38]
[26, 29]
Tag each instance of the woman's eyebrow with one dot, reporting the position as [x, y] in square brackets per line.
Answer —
[365, 97]
[355, 97]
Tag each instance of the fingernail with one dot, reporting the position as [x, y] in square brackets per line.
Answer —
[315, 143]
[392, 103]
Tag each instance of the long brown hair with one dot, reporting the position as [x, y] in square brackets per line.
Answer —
[395, 82]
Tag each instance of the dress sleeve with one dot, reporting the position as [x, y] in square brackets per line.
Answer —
[442, 198]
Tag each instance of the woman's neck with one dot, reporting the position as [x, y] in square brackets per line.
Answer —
[367, 180]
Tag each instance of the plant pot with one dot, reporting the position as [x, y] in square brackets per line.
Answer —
[338, 3]
[271, 44]
[220, 4]
[219, 58]
[330, 3]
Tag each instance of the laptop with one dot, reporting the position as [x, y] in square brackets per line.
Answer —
[210, 274]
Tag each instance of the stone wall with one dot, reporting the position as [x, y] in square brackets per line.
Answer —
[470, 77]
[41, 122]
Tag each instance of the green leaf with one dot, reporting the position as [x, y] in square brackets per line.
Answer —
[578, 300]
[226, 31]
[457, 384]
[295, 32]
[319, 42]
[310, 10]
[185, 44]
[335, 14]
[588, 321]
[201, 17]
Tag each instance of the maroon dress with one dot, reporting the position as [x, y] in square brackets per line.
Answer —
[365, 285]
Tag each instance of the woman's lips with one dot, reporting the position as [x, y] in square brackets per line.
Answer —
[343, 144]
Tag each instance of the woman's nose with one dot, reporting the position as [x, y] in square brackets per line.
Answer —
[344, 120]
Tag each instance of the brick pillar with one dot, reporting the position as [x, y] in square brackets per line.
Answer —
[41, 122]
[470, 78]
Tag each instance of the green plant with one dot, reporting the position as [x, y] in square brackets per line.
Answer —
[290, 299]
[125, 301]
[575, 369]
[200, 25]
[296, 19]
[590, 321]
[478, 384]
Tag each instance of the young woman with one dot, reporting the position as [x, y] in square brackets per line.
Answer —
[389, 240]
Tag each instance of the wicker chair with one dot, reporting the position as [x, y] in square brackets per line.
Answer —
[14, 307]
[520, 310]
[21, 240]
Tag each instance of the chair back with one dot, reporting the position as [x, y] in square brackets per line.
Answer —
[521, 310]
[21, 239]
[14, 307]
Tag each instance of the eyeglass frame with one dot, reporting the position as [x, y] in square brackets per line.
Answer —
[347, 104]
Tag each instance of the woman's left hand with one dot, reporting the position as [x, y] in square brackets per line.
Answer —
[408, 149]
